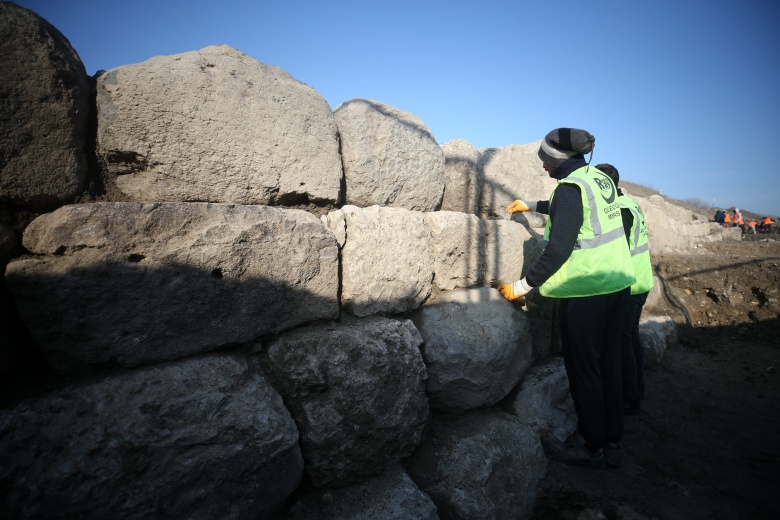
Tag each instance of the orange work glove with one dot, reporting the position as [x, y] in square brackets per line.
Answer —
[519, 206]
[515, 290]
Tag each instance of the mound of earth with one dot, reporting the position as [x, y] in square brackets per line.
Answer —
[707, 443]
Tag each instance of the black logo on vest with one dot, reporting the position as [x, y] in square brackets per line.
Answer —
[607, 188]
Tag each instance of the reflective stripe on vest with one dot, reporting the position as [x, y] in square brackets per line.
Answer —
[640, 247]
[601, 262]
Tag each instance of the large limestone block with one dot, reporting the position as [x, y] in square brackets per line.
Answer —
[464, 177]
[390, 496]
[458, 248]
[43, 114]
[134, 283]
[513, 172]
[216, 125]
[718, 233]
[657, 334]
[390, 157]
[673, 228]
[732, 233]
[477, 348]
[386, 260]
[510, 251]
[484, 464]
[202, 438]
[356, 391]
[542, 400]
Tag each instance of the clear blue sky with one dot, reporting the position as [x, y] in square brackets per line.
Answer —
[682, 95]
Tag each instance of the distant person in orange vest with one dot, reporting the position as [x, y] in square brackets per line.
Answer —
[737, 218]
[766, 225]
[751, 228]
[726, 219]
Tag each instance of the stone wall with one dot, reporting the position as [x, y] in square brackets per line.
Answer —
[255, 306]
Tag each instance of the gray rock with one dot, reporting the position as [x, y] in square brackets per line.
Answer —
[44, 112]
[390, 496]
[216, 125]
[542, 401]
[386, 259]
[133, 283]
[458, 241]
[733, 234]
[390, 157]
[477, 348]
[356, 391]
[673, 228]
[485, 464]
[203, 438]
[658, 333]
[464, 177]
[513, 172]
[510, 251]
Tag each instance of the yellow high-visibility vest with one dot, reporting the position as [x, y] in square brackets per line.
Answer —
[639, 246]
[601, 262]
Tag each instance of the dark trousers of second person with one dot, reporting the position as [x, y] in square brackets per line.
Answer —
[590, 328]
[632, 352]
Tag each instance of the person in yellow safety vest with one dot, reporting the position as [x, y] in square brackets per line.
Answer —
[631, 348]
[587, 265]
[727, 219]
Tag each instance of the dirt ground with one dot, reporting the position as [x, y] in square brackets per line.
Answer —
[707, 443]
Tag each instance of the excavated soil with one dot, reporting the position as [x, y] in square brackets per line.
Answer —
[707, 443]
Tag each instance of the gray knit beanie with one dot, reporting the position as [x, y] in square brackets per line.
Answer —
[563, 143]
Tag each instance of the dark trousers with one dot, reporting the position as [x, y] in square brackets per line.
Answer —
[590, 335]
[632, 352]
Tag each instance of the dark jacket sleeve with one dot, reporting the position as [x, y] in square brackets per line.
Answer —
[628, 223]
[566, 220]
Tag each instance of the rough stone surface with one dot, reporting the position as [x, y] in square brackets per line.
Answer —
[216, 125]
[510, 250]
[336, 221]
[477, 348]
[458, 241]
[44, 112]
[202, 438]
[390, 496]
[356, 391]
[542, 401]
[386, 260]
[656, 295]
[390, 157]
[464, 177]
[484, 464]
[658, 333]
[721, 233]
[673, 228]
[513, 172]
[134, 283]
